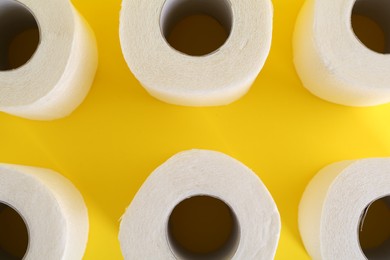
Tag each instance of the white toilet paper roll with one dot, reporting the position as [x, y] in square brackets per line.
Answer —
[332, 62]
[217, 78]
[193, 184]
[52, 209]
[336, 205]
[57, 77]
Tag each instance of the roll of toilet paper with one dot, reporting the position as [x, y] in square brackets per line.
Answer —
[217, 78]
[172, 214]
[52, 209]
[336, 207]
[53, 77]
[332, 62]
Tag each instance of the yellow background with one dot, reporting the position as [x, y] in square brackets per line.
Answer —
[120, 134]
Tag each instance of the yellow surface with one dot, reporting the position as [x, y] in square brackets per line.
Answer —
[120, 134]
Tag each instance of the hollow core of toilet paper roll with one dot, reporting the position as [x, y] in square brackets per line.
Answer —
[375, 22]
[368, 31]
[201, 36]
[205, 71]
[48, 58]
[201, 205]
[374, 229]
[203, 227]
[14, 237]
[341, 50]
[19, 34]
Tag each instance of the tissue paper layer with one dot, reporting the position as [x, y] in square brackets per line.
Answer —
[145, 231]
[217, 78]
[335, 208]
[52, 208]
[57, 77]
[331, 60]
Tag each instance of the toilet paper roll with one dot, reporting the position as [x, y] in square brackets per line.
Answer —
[57, 77]
[147, 229]
[52, 208]
[334, 207]
[332, 62]
[217, 78]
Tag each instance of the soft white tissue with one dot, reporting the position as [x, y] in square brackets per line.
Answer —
[218, 78]
[55, 81]
[332, 62]
[333, 205]
[52, 208]
[143, 228]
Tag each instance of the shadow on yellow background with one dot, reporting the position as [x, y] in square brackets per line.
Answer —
[120, 134]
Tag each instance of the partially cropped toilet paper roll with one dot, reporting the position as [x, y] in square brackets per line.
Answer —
[58, 76]
[335, 208]
[52, 208]
[194, 183]
[331, 60]
[217, 78]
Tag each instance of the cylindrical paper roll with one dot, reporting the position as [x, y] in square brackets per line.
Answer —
[201, 205]
[343, 204]
[52, 78]
[217, 78]
[53, 211]
[332, 62]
